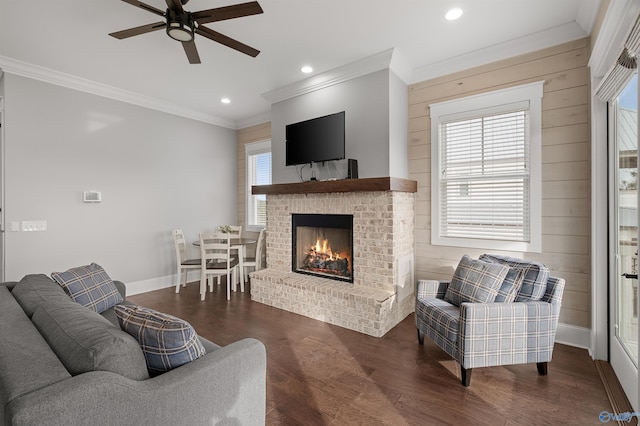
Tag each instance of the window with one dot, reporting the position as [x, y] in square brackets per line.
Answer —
[486, 155]
[258, 157]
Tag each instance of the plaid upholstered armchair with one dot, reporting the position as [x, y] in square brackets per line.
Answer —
[497, 310]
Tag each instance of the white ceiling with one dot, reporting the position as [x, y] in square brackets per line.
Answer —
[67, 42]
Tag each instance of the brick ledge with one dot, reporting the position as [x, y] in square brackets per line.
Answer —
[321, 285]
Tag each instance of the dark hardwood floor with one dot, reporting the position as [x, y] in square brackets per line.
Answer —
[320, 374]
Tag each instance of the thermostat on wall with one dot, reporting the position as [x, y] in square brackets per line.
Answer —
[92, 197]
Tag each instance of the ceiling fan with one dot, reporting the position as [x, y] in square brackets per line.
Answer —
[182, 26]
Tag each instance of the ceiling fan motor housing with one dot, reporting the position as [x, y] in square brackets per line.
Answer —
[180, 26]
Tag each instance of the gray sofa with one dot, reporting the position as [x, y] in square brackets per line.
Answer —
[64, 364]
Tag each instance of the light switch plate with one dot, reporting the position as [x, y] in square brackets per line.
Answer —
[34, 225]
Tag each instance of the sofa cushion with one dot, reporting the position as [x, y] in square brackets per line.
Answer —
[167, 342]
[534, 275]
[9, 284]
[475, 281]
[27, 361]
[441, 316]
[85, 341]
[34, 290]
[90, 286]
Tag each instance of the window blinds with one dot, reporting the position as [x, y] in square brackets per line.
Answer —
[259, 174]
[623, 69]
[484, 185]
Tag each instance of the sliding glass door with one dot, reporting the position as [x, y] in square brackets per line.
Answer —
[623, 231]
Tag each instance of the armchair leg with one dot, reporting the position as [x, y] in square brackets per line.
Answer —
[466, 376]
[420, 337]
[542, 368]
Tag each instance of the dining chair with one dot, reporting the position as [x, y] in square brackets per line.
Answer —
[257, 261]
[216, 259]
[240, 251]
[183, 261]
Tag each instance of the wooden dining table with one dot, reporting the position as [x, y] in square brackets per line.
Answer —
[239, 244]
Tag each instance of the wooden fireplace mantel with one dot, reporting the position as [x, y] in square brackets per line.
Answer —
[341, 185]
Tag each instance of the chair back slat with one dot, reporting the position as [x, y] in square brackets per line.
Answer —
[214, 246]
[180, 244]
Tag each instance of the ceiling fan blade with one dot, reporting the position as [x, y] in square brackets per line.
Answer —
[175, 5]
[191, 51]
[143, 29]
[227, 41]
[227, 12]
[145, 6]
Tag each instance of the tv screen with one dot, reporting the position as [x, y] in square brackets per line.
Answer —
[316, 140]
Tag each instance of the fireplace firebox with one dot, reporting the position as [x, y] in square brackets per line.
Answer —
[322, 245]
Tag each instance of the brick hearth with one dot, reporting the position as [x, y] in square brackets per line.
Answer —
[383, 247]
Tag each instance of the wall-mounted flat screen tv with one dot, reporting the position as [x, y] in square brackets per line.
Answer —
[316, 140]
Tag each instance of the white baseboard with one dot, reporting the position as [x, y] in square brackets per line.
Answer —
[572, 335]
[138, 287]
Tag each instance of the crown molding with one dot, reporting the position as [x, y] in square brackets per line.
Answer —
[401, 66]
[252, 121]
[388, 59]
[587, 14]
[515, 47]
[36, 72]
[616, 25]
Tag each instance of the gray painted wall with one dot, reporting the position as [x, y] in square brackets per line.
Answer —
[375, 105]
[398, 130]
[156, 172]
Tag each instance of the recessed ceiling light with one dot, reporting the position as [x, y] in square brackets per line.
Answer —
[225, 100]
[306, 69]
[453, 14]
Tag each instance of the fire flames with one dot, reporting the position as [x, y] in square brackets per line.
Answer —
[324, 249]
[320, 258]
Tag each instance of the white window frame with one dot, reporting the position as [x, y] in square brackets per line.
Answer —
[488, 104]
[250, 150]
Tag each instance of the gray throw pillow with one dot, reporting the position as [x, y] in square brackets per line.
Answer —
[84, 341]
[166, 341]
[90, 286]
[475, 281]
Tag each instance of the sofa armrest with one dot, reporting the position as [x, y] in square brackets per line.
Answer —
[554, 291]
[122, 288]
[432, 288]
[506, 333]
[227, 385]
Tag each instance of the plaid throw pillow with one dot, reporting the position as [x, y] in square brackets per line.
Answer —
[166, 341]
[475, 281]
[90, 286]
[510, 286]
[534, 276]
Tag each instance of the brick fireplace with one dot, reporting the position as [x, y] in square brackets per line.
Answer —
[381, 294]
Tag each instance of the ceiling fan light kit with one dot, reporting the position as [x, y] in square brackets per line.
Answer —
[182, 26]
